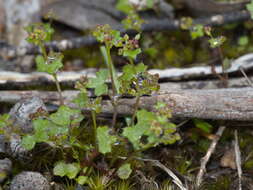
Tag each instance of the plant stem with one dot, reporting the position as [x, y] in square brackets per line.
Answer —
[93, 115]
[111, 69]
[44, 52]
[58, 88]
[131, 61]
[225, 75]
[136, 105]
[113, 82]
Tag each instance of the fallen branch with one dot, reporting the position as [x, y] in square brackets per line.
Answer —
[14, 80]
[218, 104]
[9, 52]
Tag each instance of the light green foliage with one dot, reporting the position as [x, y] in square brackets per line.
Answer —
[4, 122]
[105, 34]
[197, 31]
[28, 142]
[250, 8]
[62, 129]
[137, 82]
[130, 47]
[124, 6]
[133, 21]
[154, 126]
[81, 99]
[66, 116]
[63, 169]
[150, 3]
[38, 33]
[134, 133]
[54, 129]
[50, 65]
[99, 82]
[127, 47]
[206, 127]
[186, 23]
[243, 41]
[82, 180]
[105, 140]
[124, 171]
[216, 42]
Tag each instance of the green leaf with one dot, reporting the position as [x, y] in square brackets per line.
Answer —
[216, 42]
[124, 171]
[124, 6]
[130, 71]
[51, 65]
[135, 133]
[132, 53]
[60, 169]
[81, 100]
[243, 41]
[250, 8]
[206, 127]
[4, 120]
[66, 116]
[105, 140]
[82, 180]
[40, 59]
[197, 31]
[41, 126]
[72, 170]
[28, 142]
[102, 89]
[99, 83]
[69, 170]
[150, 3]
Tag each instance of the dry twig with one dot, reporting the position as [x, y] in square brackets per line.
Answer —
[206, 158]
[238, 160]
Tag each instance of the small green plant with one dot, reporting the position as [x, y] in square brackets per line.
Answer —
[63, 130]
[198, 31]
[51, 63]
[250, 8]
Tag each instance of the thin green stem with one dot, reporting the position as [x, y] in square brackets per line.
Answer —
[225, 75]
[110, 65]
[131, 61]
[113, 82]
[43, 51]
[93, 115]
[136, 105]
[58, 88]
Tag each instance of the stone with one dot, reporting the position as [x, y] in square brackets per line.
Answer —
[24, 111]
[84, 14]
[5, 169]
[29, 181]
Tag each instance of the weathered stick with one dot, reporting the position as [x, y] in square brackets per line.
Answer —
[14, 80]
[219, 104]
[209, 153]
[8, 51]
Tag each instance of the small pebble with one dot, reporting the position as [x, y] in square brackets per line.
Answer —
[5, 169]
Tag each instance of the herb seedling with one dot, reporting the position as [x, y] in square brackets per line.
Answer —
[51, 63]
